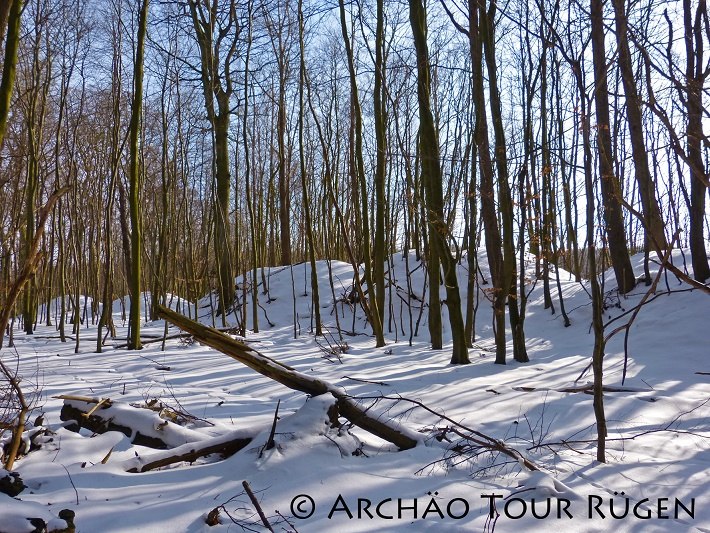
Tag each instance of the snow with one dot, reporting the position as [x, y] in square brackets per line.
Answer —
[658, 447]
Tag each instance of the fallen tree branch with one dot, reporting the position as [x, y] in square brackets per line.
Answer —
[292, 379]
[666, 428]
[256, 505]
[152, 339]
[468, 434]
[226, 445]
[367, 381]
[586, 389]
[664, 261]
[33, 258]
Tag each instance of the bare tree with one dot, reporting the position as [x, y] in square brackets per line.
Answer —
[134, 341]
[432, 178]
[217, 32]
[612, 196]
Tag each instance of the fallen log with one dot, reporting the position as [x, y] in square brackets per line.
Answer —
[225, 445]
[180, 444]
[142, 426]
[291, 378]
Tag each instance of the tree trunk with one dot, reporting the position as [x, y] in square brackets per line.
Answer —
[504, 196]
[291, 378]
[610, 186]
[217, 87]
[10, 62]
[647, 187]
[134, 341]
[359, 180]
[695, 76]
[380, 162]
[487, 189]
[315, 297]
[432, 178]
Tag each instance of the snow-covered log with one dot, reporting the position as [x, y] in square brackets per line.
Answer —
[225, 445]
[142, 426]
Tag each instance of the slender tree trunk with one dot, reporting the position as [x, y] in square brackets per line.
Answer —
[315, 296]
[504, 196]
[37, 94]
[380, 163]
[647, 187]
[217, 86]
[487, 189]
[610, 186]
[10, 62]
[283, 181]
[249, 197]
[695, 77]
[359, 180]
[432, 178]
[107, 296]
[134, 341]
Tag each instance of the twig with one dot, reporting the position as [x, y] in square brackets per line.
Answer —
[667, 427]
[480, 439]
[586, 388]
[270, 443]
[76, 492]
[99, 405]
[627, 327]
[293, 528]
[367, 381]
[258, 508]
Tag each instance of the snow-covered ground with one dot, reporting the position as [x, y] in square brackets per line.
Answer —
[658, 449]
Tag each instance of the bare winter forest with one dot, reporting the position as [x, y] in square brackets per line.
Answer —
[447, 181]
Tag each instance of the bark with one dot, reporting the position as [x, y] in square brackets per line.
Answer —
[472, 253]
[597, 300]
[487, 189]
[134, 341]
[315, 296]
[4, 14]
[504, 196]
[37, 111]
[695, 77]
[9, 63]
[224, 445]
[646, 185]
[216, 71]
[360, 180]
[610, 185]
[433, 179]
[284, 190]
[250, 199]
[90, 417]
[380, 115]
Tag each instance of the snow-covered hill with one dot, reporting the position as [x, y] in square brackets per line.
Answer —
[658, 443]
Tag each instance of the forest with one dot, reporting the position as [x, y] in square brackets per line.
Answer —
[303, 185]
